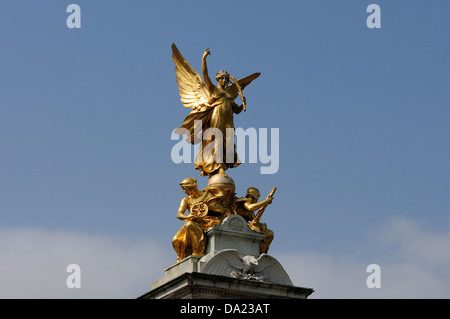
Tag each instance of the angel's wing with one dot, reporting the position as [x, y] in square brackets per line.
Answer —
[220, 263]
[193, 91]
[272, 270]
[233, 90]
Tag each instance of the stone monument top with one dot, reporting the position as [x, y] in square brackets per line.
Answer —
[233, 251]
[222, 235]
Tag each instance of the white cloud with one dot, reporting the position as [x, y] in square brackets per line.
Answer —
[414, 263]
[33, 264]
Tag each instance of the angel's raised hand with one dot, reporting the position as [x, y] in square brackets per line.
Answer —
[206, 53]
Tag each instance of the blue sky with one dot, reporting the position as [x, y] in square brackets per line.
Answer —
[86, 117]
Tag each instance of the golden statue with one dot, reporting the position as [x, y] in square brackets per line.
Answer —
[210, 122]
[246, 208]
[206, 208]
[214, 107]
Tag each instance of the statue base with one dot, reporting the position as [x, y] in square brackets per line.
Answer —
[197, 285]
[232, 268]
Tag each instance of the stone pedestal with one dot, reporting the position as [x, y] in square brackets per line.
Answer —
[205, 286]
[232, 268]
[233, 233]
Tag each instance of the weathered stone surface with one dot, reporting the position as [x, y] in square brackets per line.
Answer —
[206, 286]
[265, 268]
[232, 268]
[233, 233]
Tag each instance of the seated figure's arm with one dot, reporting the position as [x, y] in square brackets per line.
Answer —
[182, 209]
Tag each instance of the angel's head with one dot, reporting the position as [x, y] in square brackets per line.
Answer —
[223, 78]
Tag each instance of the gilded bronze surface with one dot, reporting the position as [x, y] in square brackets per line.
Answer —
[190, 238]
[247, 206]
[214, 107]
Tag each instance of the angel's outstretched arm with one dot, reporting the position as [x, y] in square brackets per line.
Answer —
[209, 84]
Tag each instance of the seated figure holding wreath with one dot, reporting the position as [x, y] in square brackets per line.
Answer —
[190, 238]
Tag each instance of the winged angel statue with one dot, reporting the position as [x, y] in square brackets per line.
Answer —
[212, 110]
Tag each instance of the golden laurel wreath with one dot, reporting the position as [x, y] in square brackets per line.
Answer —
[199, 209]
